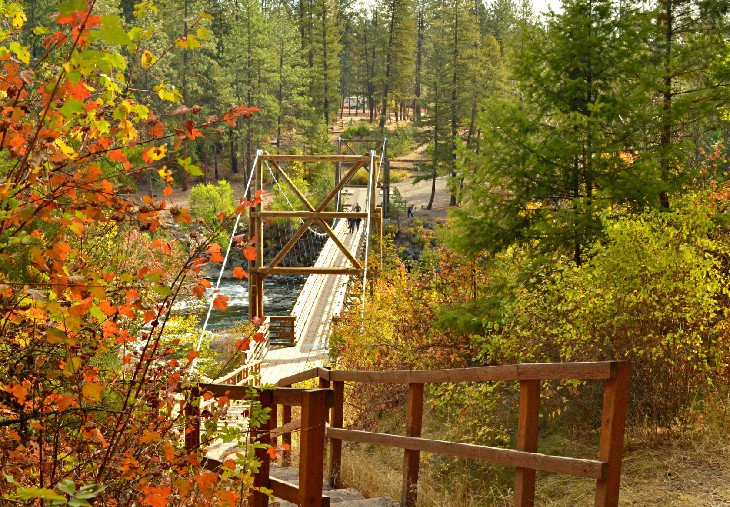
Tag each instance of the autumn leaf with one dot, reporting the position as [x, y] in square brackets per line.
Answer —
[92, 391]
[249, 253]
[147, 59]
[220, 302]
[239, 272]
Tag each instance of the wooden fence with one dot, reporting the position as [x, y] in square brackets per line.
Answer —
[606, 470]
[314, 405]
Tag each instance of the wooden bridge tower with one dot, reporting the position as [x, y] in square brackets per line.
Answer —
[259, 270]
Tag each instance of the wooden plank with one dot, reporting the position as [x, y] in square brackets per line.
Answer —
[286, 427]
[286, 437]
[294, 188]
[591, 469]
[527, 433]
[289, 244]
[338, 412]
[315, 158]
[290, 492]
[544, 371]
[566, 371]
[311, 455]
[489, 373]
[192, 422]
[340, 184]
[412, 458]
[313, 214]
[308, 270]
[613, 424]
[298, 377]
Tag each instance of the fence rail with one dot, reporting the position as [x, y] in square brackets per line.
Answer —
[606, 470]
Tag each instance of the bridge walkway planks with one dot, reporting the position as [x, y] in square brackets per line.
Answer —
[322, 297]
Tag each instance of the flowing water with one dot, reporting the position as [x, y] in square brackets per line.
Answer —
[280, 294]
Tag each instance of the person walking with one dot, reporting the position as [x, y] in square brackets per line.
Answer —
[358, 219]
[350, 224]
[410, 211]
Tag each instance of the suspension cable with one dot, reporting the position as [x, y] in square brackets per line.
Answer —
[368, 203]
[223, 267]
[278, 185]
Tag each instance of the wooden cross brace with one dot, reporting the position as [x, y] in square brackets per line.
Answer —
[314, 219]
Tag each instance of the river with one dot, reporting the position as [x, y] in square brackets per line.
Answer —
[280, 294]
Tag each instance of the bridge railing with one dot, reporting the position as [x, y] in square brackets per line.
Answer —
[250, 370]
[606, 470]
[281, 331]
[314, 405]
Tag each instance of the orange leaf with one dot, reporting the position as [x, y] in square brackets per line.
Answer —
[19, 391]
[243, 344]
[220, 302]
[167, 192]
[249, 253]
[239, 272]
[259, 338]
[192, 355]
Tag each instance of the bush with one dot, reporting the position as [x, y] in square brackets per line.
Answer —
[359, 129]
[655, 293]
[207, 201]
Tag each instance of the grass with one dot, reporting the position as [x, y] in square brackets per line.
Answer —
[687, 467]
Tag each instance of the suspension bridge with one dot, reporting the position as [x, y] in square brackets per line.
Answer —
[347, 218]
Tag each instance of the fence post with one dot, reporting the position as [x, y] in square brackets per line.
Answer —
[613, 424]
[262, 477]
[411, 459]
[336, 444]
[192, 421]
[527, 430]
[286, 437]
[311, 454]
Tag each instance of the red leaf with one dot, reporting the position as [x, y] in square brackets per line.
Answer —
[259, 338]
[239, 272]
[249, 253]
[192, 355]
[244, 344]
[220, 302]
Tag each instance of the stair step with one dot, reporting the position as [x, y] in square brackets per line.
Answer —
[343, 497]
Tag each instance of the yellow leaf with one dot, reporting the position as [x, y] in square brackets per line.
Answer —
[92, 390]
[147, 59]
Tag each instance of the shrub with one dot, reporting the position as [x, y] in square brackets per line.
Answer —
[207, 200]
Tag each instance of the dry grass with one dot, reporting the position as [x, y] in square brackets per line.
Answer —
[692, 469]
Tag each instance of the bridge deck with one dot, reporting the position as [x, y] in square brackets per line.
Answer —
[322, 297]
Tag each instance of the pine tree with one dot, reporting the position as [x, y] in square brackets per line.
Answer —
[399, 51]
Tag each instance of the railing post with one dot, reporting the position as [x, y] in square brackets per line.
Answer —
[613, 424]
[311, 455]
[411, 459]
[527, 431]
[286, 437]
[263, 435]
[335, 480]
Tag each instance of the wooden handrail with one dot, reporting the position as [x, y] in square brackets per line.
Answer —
[577, 467]
[526, 460]
[523, 371]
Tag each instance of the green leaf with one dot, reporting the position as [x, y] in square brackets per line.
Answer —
[96, 312]
[71, 6]
[67, 486]
[72, 107]
[112, 32]
[32, 493]
[22, 52]
[162, 290]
